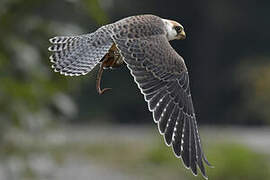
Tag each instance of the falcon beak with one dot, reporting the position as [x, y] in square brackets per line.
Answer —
[182, 35]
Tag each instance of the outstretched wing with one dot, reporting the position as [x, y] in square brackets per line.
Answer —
[163, 79]
[78, 55]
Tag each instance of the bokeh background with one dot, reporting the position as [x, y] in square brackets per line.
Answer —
[58, 128]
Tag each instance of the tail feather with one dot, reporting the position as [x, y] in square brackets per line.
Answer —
[58, 47]
[61, 39]
[78, 55]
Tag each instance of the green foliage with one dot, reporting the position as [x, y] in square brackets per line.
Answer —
[29, 88]
[32, 96]
[26, 85]
[95, 11]
[237, 162]
[160, 155]
[156, 161]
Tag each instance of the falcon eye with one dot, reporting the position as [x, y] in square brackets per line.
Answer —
[178, 29]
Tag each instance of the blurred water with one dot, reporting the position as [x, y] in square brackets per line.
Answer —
[43, 166]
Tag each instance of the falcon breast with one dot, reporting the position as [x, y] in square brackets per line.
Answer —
[142, 42]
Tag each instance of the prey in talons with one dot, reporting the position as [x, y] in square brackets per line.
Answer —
[111, 60]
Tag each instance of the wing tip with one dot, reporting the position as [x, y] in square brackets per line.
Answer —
[207, 162]
[195, 172]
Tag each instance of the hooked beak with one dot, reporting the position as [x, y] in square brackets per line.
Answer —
[182, 35]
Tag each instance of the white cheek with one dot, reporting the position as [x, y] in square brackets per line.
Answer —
[171, 34]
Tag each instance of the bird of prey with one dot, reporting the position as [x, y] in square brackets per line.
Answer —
[142, 43]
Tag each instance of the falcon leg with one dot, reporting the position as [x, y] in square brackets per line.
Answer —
[110, 60]
[99, 75]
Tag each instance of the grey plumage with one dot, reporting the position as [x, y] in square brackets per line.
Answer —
[158, 70]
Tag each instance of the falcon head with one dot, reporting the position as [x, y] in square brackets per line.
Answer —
[174, 30]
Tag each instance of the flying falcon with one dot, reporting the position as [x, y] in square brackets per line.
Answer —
[142, 42]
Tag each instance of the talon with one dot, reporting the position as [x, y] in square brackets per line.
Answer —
[103, 90]
[99, 75]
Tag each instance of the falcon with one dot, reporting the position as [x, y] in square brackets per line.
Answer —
[142, 43]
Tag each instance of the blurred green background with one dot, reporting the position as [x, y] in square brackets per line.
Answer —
[57, 127]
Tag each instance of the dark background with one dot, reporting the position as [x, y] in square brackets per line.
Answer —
[222, 37]
[226, 51]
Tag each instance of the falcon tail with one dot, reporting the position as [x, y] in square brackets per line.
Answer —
[78, 55]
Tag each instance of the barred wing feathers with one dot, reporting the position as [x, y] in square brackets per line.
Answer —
[163, 79]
